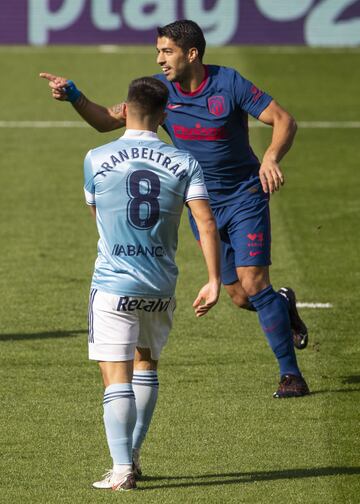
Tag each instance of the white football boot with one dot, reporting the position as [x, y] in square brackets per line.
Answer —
[116, 481]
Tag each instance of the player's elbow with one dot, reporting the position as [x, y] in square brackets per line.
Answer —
[208, 226]
[287, 120]
[106, 126]
[292, 125]
[100, 128]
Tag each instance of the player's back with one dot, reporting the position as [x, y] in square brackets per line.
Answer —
[139, 185]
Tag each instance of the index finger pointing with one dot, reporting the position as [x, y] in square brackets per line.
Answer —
[48, 76]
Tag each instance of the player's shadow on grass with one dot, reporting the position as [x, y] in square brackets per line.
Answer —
[351, 379]
[331, 391]
[234, 478]
[42, 335]
[346, 380]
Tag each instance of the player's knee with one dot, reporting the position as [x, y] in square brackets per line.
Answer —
[253, 279]
[143, 360]
[241, 301]
[237, 295]
[253, 284]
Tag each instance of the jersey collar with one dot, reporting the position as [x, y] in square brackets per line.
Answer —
[140, 134]
[199, 88]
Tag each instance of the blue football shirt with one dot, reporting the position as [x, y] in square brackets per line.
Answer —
[212, 124]
[139, 185]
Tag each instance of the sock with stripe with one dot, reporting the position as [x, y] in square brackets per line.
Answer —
[273, 313]
[146, 387]
[119, 420]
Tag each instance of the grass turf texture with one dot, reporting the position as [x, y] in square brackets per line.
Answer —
[217, 434]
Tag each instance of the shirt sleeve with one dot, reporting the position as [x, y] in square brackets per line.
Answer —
[249, 97]
[196, 188]
[89, 187]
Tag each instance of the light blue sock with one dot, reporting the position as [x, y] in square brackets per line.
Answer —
[146, 387]
[119, 420]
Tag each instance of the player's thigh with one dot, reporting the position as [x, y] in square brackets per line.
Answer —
[155, 327]
[250, 236]
[113, 333]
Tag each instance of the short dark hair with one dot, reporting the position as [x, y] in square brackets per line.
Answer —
[186, 34]
[148, 94]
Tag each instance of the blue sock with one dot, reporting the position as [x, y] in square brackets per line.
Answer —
[119, 420]
[146, 387]
[273, 313]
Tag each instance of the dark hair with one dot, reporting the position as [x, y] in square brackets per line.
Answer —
[148, 94]
[186, 34]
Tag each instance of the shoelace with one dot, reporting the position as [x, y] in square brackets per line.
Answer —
[108, 474]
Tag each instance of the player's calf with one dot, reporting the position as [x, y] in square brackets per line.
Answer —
[298, 327]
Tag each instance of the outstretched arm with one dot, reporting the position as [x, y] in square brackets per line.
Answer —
[99, 117]
[210, 245]
[284, 130]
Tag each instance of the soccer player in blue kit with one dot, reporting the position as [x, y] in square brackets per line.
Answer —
[207, 115]
[136, 187]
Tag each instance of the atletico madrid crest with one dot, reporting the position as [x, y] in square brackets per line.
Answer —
[216, 105]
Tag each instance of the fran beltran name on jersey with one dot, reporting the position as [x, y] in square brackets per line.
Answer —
[142, 153]
[150, 305]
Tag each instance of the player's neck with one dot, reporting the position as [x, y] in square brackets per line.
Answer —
[135, 124]
[192, 81]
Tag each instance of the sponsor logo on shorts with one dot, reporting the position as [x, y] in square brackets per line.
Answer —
[256, 240]
[150, 305]
[254, 189]
[256, 236]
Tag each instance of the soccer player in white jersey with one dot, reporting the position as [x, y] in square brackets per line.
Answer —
[136, 187]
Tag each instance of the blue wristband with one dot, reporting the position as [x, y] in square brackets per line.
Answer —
[72, 92]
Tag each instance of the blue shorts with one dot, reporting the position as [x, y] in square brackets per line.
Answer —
[245, 237]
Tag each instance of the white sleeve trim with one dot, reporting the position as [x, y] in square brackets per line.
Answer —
[196, 192]
[89, 197]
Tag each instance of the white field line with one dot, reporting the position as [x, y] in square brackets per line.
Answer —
[314, 305]
[314, 124]
[43, 124]
[252, 124]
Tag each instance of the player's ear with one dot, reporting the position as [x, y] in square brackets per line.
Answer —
[125, 110]
[193, 53]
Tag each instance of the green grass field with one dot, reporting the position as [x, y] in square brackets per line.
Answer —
[217, 435]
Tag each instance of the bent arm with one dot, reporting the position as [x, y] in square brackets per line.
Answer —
[99, 117]
[284, 130]
[210, 245]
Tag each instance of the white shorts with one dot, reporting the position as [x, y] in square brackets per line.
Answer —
[118, 324]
